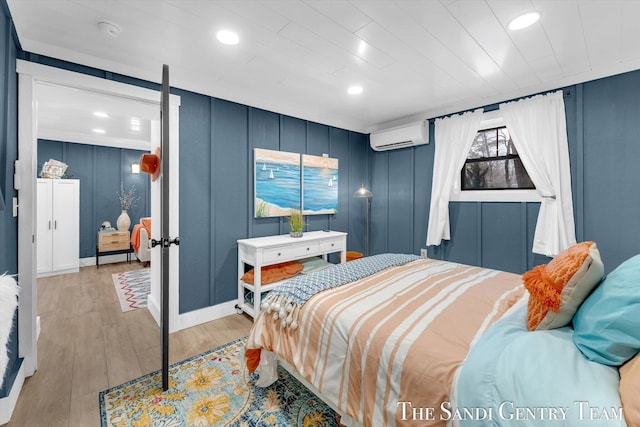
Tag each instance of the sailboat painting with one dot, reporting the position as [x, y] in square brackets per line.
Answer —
[319, 185]
[277, 182]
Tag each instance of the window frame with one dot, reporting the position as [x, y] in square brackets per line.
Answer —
[490, 120]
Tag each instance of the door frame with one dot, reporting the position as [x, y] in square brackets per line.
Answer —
[31, 74]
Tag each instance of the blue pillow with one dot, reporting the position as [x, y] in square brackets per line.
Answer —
[607, 325]
[313, 264]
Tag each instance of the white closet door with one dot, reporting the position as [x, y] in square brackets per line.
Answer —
[66, 224]
[45, 226]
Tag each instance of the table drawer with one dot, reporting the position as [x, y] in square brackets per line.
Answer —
[331, 245]
[287, 253]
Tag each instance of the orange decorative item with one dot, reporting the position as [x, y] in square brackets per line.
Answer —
[274, 273]
[351, 255]
[150, 163]
[558, 289]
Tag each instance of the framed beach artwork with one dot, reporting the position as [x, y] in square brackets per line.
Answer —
[319, 185]
[277, 182]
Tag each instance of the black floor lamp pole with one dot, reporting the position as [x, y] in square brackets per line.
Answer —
[366, 236]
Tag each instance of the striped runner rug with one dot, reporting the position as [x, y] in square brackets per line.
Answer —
[132, 288]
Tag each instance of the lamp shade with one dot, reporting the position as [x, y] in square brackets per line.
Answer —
[363, 192]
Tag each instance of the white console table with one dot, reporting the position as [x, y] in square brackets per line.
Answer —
[263, 251]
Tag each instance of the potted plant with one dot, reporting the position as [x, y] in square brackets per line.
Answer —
[295, 223]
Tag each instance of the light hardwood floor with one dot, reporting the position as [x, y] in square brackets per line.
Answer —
[87, 344]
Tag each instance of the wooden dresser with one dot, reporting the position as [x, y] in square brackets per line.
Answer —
[112, 242]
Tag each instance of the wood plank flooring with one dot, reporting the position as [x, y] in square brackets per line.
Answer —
[87, 344]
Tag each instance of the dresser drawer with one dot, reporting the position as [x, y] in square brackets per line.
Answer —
[286, 253]
[113, 241]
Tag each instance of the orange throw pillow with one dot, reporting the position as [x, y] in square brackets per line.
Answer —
[630, 390]
[557, 289]
[274, 273]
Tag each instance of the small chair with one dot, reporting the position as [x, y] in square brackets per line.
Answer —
[143, 232]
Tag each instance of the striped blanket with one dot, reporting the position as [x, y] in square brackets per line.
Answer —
[285, 300]
[382, 345]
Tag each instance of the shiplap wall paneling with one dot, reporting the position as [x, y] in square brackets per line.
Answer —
[379, 219]
[82, 160]
[423, 175]
[611, 173]
[503, 236]
[228, 162]
[264, 132]
[318, 143]
[401, 199]
[357, 175]
[196, 230]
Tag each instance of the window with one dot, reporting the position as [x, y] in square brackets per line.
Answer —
[493, 163]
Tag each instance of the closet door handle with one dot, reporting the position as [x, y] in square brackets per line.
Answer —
[49, 224]
[55, 224]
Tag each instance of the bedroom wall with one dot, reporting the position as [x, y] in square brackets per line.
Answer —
[602, 127]
[216, 182]
[217, 139]
[8, 154]
[100, 171]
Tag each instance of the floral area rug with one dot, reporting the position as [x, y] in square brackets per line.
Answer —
[132, 288]
[213, 389]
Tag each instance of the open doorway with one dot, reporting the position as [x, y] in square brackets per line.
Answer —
[34, 82]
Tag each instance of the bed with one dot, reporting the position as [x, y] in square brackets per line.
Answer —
[386, 341]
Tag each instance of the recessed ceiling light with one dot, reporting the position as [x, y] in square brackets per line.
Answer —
[227, 37]
[100, 131]
[362, 47]
[100, 114]
[523, 21]
[109, 28]
[354, 90]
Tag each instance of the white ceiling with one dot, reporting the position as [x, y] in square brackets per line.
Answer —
[415, 59]
[68, 114]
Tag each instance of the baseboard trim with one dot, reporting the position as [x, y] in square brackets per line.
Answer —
[8, 404]
[154, 308]
[203, 315]
[58, 272]
[106, 259]
[192, 318]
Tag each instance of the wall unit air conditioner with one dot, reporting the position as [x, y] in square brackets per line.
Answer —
[400, 137]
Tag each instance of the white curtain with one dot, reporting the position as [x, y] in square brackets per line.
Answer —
[453, 138]
[538, 129]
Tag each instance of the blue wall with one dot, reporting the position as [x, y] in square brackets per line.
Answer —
[217, 139]
[602, 127]
[8, 154]
[100, 171]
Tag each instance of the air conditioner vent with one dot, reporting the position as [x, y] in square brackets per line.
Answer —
[400, 137]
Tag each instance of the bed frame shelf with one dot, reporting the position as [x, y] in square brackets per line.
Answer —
[262, 251]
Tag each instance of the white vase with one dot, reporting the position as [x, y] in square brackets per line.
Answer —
[123, 222]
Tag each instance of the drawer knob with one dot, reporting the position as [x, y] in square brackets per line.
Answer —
[307, 248]
[333, 244]
[279, 253]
